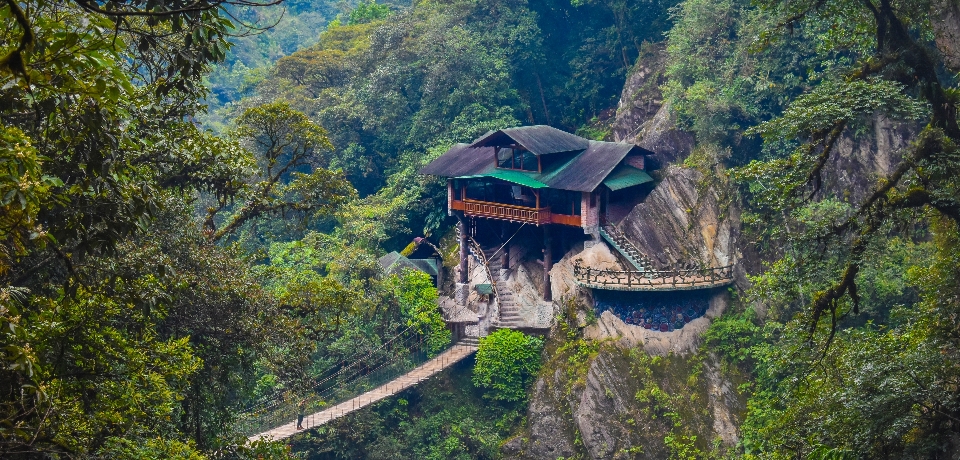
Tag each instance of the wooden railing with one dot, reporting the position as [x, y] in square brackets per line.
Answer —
[513, 213]
[654, 280]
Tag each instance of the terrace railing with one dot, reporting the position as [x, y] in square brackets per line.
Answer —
[653, 280]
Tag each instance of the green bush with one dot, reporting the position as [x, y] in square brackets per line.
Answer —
[507, 363]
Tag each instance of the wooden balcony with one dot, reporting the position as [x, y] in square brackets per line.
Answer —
[513, 213]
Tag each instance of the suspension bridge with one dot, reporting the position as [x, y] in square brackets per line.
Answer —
[451, 356]
[367, 377]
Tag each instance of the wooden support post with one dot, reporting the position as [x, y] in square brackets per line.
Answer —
[547, 263]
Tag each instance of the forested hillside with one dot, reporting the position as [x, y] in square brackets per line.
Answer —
[194, 197]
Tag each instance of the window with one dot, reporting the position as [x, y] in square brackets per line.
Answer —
[516, 158]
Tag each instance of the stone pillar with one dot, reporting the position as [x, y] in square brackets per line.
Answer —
[547, 263]
[462, 289]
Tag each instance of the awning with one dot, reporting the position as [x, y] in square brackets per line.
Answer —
[510, 175]
[626, 176]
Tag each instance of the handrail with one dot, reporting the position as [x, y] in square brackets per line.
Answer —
[280, 407]
[677, 278]
[503, 211]
[625, 247]
[505, 205]
[475, 248]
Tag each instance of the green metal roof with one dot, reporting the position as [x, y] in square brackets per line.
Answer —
[626, 176]
[510, 175]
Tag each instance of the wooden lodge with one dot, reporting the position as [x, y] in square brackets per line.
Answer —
[539, 175]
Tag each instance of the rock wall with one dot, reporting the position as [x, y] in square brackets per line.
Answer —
[945, 19]
[642, 116]
[678, 224]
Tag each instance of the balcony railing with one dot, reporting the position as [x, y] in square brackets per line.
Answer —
[512, 213]
[654, 280]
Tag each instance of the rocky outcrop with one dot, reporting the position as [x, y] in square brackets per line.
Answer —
[642, 116]
[550, 434]
[641, 98]
[604, 414]
[684, 341]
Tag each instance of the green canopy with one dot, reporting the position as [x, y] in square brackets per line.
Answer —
[510, 175]
[626, 176]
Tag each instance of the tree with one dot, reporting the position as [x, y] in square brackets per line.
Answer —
[286, 142]
[100, 354]
[417, 297]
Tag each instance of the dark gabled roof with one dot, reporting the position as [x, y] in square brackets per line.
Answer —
[460, 160]
[584, 171]
[540, 139]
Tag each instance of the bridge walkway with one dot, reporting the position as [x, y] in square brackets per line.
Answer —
[451, 356]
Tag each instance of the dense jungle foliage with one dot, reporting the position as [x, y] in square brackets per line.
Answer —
[191, 211]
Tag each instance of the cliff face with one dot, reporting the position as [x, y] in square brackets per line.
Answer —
[683, 222]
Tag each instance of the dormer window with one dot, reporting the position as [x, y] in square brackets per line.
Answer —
[517, 157]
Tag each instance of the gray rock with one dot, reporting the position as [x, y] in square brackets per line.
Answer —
[642, 116]
[678, 225]
[602, 410]
[945, 19]
[551, 434]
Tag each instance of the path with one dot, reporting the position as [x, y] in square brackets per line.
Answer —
[446, 359]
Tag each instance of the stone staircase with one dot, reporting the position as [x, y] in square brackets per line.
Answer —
[469, 341]
[626, 249]
[509, 311]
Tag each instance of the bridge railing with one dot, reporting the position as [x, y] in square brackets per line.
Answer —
[670, 279]
[351, 379]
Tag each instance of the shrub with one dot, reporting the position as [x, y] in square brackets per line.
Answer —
[507, 363]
